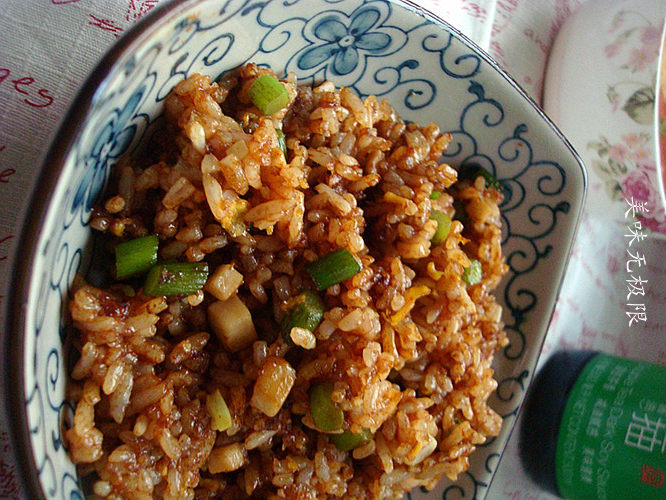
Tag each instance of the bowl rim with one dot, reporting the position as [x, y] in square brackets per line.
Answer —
[52, 163]
[659, 142]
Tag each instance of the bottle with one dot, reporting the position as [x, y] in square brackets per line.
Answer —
[594, 427]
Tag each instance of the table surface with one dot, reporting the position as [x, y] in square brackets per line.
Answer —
[42, 65]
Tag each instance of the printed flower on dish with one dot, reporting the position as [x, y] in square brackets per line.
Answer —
[340, 44]
[641, 42]
[617, 159]
[656, 222]
[641, 58]
[637, 185]
[634, 50]
[627, 170]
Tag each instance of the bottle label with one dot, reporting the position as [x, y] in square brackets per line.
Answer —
[612, 436]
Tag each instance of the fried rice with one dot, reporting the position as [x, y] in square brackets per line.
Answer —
[405, 344]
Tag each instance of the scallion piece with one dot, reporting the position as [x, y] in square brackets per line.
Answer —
[333, 268]
[219, 411]
[471, 172]
[176, 278]
[472, 274]
[435, 194]
[268, 94]
[307, 312]
[348, 440]
[443, 226]
[326, 415]
[135, 257]
[282, 142]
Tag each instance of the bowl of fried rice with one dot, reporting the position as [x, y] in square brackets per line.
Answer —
[287, 250]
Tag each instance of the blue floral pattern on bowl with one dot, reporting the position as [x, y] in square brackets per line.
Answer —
[344, 40]
[423, 67]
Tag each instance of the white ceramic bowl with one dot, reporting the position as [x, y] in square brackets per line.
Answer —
[425, 68]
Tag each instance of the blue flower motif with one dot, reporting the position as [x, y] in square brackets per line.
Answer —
[111, 142]
[342, 43]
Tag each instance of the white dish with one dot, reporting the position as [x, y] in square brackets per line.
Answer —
[600, 90]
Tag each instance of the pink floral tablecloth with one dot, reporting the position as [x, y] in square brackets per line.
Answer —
[48, 46]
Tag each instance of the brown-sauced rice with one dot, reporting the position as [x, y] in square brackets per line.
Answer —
[406, 342]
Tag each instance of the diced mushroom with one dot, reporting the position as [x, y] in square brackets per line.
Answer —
[272, 387]
[232, 323]
[224, 282]
[227, 458]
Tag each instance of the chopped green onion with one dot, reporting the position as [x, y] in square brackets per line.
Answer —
[472, 274]
[471, 172]
[136, 256]
[326, 415]
[268, 94]
[349, 440]
[333, 268]
[282, 142]
[435, 194]
[219, 411]
[443, 226]
[307, 312]
[460, 212]
[176, 278]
